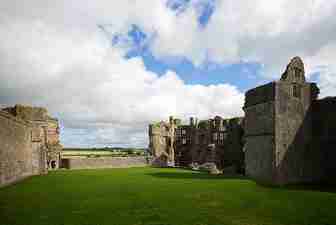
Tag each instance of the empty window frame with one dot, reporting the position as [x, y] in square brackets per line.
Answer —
[296, 91]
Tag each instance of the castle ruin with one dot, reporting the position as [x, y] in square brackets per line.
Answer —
[29, 143]
[217, 141]
[287, 134]
[278, 129]
[161, 141]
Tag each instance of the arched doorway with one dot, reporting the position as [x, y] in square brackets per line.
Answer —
[53, 164]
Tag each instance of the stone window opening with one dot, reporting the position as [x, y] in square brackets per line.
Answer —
[221, 138]
[184, 141]
[296, 91]
[297, 74]
[215, 136]
[222, 128]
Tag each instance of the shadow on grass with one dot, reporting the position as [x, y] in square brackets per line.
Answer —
[205, 176]
[327, 187]
[194, 175]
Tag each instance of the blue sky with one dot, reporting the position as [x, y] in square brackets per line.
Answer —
[244, 75]
[106, 70]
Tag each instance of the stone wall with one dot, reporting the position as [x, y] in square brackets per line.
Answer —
[28, 112]
[324, 133]
[29, 143]
[215, 140]
[259, 132]
[261, 94]
[280, 147]
[104, 162]
[161, 142]
[52, 132]
[20, 153]
[294, 160]
[158, 144]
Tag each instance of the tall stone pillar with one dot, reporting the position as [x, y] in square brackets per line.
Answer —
[171, 137]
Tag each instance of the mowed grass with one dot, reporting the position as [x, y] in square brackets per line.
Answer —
[158, 196]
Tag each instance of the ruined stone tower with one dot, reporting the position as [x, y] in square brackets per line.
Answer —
[278, 129]
[161, 142]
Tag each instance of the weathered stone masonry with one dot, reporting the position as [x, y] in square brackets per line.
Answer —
[287, 134]
[29, 143]
[104, 162]
[161, 141]
[281, 145]
[217, 141]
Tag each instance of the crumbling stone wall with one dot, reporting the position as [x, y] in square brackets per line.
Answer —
[20, 154]
[105, 162]
[161, 142]
[219, 142]
[26, 142]
[28, 113]
[215, 140]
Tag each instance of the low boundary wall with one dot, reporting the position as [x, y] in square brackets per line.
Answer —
[104, 162]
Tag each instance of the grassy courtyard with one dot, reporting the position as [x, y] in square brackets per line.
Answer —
[158, 196]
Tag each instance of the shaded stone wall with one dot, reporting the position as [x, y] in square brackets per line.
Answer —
[259, 132]
[295, 161]
[104, 162]
[233, 153]
[20, 150]
[324, 133]
[215, 140]
[279, 131]
[186, 148]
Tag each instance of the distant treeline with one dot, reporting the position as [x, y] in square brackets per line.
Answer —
[103, 152]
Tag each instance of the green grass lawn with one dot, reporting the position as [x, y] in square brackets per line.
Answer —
[158, 196]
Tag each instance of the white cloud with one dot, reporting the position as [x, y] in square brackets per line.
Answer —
[100, 97]
[52, 54]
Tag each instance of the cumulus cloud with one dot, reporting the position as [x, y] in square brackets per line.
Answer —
[101, 97]
[264, 32]
[53, 54]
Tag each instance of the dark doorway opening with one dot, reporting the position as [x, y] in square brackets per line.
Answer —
[53, 164]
